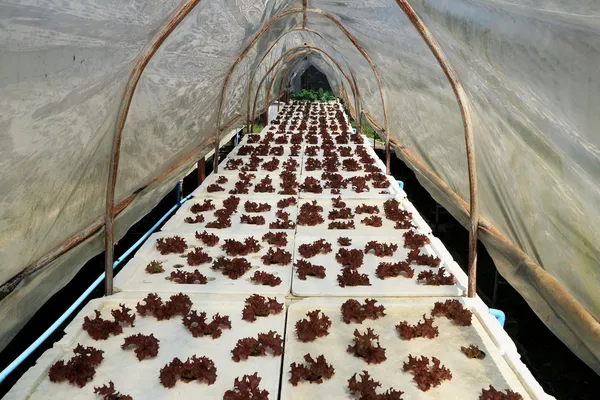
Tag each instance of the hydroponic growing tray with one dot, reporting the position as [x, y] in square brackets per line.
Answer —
[398, 286]
[229, 186]
[348, 193]
[237, 164]
[287, 151]
[319, 167]
[469, 376]
[134, 277]
[360, 228]
[178, 223]
[140, 379]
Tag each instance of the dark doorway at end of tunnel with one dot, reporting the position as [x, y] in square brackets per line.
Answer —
[560, 372]
[313, 79]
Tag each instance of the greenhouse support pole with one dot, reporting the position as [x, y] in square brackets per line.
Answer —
[201, 170]
[465, 110]
[216, 155]
[387, 153]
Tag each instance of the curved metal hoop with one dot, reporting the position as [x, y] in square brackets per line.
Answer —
[260, 33]
[315, 48]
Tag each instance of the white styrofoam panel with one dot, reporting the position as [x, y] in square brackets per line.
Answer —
[287, 152]
[469, 376]
[260, 169]
[133, 277]
[400, 286]
[141, 379]
[233, 178]
[177, 222]
[361, 229]
[348, 193]
[378, 163]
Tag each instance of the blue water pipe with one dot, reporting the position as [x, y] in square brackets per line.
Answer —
[401, 184]
[499, 315]
[13, 365]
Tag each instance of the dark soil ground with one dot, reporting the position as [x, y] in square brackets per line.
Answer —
[557, 369]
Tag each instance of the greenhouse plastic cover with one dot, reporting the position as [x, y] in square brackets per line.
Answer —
[529, 69]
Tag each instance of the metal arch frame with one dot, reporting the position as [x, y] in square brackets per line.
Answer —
[262, 31]
[298, 49]
[113, 171]
[356, 95]
[465, 110]
[253, 74]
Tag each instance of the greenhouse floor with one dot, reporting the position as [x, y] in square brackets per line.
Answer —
[304, 209]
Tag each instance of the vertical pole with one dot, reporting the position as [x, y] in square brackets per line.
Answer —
[179, 192]
[108, 254]
[216, 155]
[387, 153]
[201, 171]
[266, 116]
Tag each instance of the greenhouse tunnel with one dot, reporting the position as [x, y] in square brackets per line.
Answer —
[493, 105]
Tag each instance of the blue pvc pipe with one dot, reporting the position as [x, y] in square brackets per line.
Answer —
[23, 356]
[401, 184]
[499, 315]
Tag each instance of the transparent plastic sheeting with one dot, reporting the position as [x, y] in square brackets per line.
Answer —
[529, 68]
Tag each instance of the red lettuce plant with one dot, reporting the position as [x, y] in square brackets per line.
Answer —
[99, 328]
[286, 202]
[271, 165]
[206, 206]
[108, 392]
[343, 213]
[366, 389]
[344, 241]
[197, 257]
[436, 279]
[277, 256]
[233, 268]
[251, 206]
[315, 372]
[352, 258]
[240, 187]
[305, 268]
[283, 221]
[222, 179]
[422, 259]
[309, 250]
[310, 214]
[231, 203]
[381, 249]
[414, 240]
[209, 239]
[234, 164]
[351, 277]
[247, 389]
[391, 270]
[197, 325]
[254, 220]
[366, 209]
[421, 329]
[314, 327]
[312, 164]
[265, 279]
[251, 347]
[80, 369]
[194, 368]
[168, 245]
[198, 219]
[373, 220]
[264, 186]
[367, 347]
[311, 185]
[233, 247]
[453, 310]
[424, 375]
[359, 184]
[352, 310]
[221, 222]
[275, 238]
[154, 267]
[350, 164]
[473, 352]
[146, 346]
[259, 306]
[153, 305]
[493, 394]
[188, 278]
[341, 225]
[338, 203]
[214, 188]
